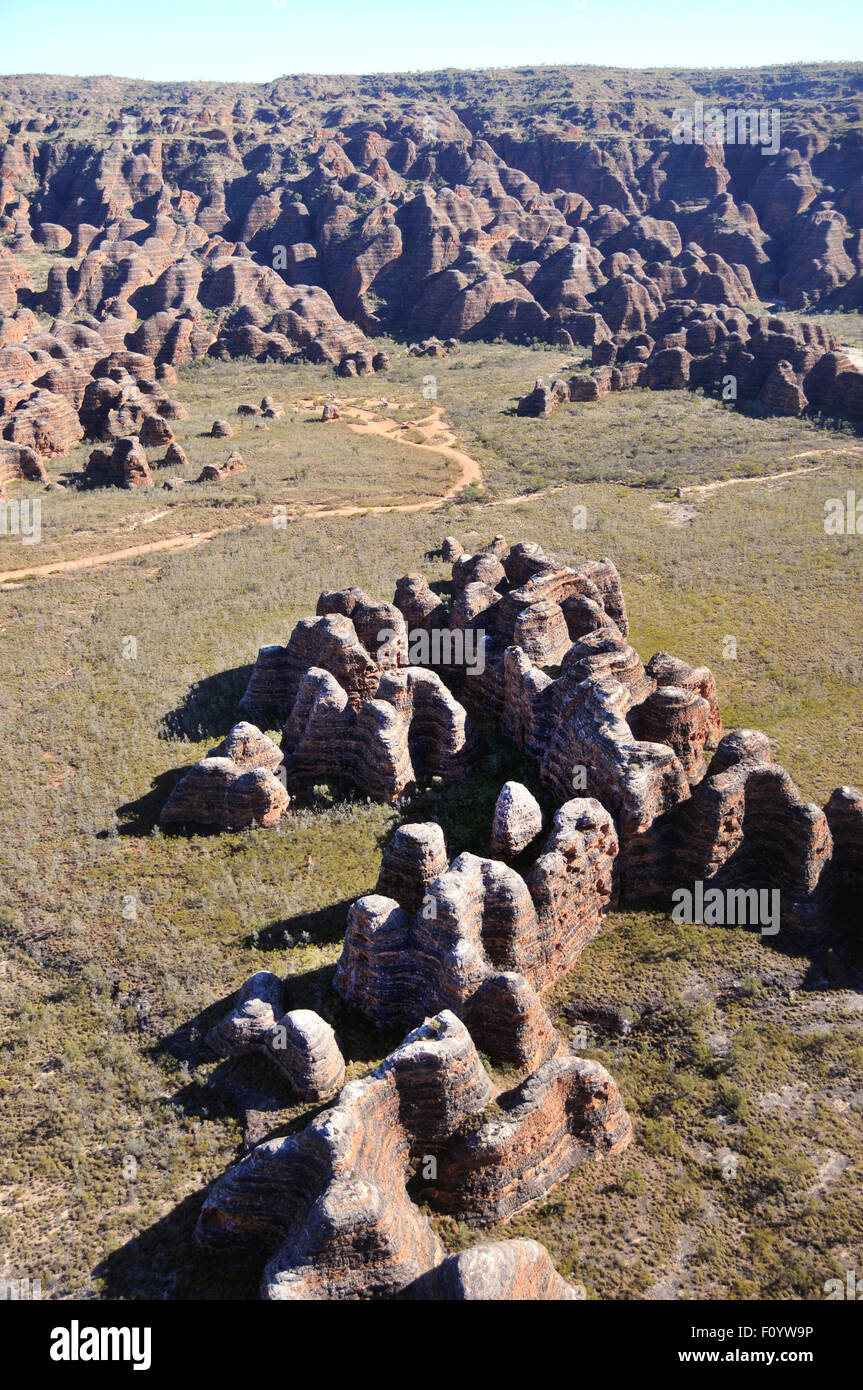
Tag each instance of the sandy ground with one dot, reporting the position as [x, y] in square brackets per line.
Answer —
[438, 438]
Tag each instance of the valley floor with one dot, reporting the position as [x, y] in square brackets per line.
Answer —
[739, 1059]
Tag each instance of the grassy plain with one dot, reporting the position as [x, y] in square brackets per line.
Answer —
[740, 1061]
[656, 440]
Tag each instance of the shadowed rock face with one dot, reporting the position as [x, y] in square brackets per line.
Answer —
[17, 462]
[494, 1271]
[746, 825]
[356, 709]
[414, 728]
[232, 787]
[215, 792]
[677, 716]
[844, 876]
[568, 1111]
[332, 1206]
[682, 717]
[302, 1045]
[476, 938]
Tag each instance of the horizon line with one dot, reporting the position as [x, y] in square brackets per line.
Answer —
[428, 72]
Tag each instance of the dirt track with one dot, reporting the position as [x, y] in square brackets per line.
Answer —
[365, 419]
[439, 439]
[702, 488]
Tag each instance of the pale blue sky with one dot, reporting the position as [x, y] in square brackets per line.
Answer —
[257, 40]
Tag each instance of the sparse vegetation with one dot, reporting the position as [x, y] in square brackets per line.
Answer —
[734, 1046]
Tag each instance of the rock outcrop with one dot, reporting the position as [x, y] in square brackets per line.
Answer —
[494, 1272]
[843, 879]
[565, 1113]
[517, 820]
[333, 1208]
[213, 473]
[196, 235]
[746, 827]
[233, 787]
[125, 465]
[413, 729]
[645, 743]
[300, 1044]
[789, 368]
[636, 739]
[477, 938]
[45, 422]
[356, 709]
[18, 463]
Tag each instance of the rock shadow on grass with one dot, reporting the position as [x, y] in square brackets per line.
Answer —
[210, 707]
[164, 1262]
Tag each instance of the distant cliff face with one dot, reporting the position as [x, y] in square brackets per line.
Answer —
[305, 217]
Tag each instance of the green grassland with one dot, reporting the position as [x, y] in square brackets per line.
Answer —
[724, 1045]
[658, 440]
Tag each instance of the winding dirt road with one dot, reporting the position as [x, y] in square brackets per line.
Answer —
[438, 439]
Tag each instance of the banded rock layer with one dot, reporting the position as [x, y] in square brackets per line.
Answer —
[303, 218]
[18, 462]
[232, 787]
[331, 1206]
[477, 938]
[789, 368]
[517, 820]
[413, 728]
[494, 1272]
[571, 693]
[301, 1044]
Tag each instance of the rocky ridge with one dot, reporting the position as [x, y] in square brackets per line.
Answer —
[305, 217]
[788, 368]
[334, 1209]
[645, 742]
